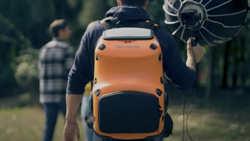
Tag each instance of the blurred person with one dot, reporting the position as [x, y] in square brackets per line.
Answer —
[55, 61]
[182, 74]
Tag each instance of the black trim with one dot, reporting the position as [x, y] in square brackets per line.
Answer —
[95, 81]
[161, 79]
[160, 57]
[159, 92]
[97, 92]
[102, 47]
[149, 138]
[129, 112]
[153, 47]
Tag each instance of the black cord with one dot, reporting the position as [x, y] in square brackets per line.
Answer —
[185, 123]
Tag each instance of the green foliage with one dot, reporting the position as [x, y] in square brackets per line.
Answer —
[24, 29]
[92, 10]
[26, 70]
[23, 26]
[23, 99]
[156, 14]
[7, 81]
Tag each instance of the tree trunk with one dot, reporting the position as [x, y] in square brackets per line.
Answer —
[225, 67]
[210, 72]
[244, 63]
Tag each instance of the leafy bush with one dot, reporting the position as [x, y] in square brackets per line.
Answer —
[27, 71]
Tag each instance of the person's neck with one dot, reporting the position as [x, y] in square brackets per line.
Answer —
[145, 8]
[58, 39]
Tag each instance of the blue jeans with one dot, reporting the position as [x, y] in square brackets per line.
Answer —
[84, 112]
[51, 112]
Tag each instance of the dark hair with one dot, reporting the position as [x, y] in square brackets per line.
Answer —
[56, 26]
[137, 3]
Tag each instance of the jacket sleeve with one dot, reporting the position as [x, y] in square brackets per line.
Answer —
[83, 67]
[174, 67]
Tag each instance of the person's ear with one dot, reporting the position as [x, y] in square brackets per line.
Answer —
[119, 3]
[61, 34]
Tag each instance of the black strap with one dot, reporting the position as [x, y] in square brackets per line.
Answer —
[110, 23]
[107, 22]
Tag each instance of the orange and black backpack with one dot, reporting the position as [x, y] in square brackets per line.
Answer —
[128, 89]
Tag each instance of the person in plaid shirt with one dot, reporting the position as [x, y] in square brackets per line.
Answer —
[55, 61]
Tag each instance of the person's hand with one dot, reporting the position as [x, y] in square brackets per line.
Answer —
[70, 131]
[196, 52]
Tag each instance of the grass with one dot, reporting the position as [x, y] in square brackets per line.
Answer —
[209, 125]
[223, 118]
[26, 124]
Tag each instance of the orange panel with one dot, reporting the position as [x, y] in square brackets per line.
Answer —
[128, 66]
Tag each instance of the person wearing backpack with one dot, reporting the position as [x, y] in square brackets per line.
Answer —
[128, 12]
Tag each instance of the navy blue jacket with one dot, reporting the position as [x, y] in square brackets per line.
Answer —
[82, 70]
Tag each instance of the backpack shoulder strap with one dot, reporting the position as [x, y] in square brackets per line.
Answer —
[107, 22]
[110, 23]
[148, 24]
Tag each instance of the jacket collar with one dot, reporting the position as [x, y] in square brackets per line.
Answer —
[122, 13]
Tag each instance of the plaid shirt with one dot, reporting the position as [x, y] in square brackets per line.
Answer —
[55, 61]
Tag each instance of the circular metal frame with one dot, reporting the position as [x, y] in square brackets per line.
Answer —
[220, 20]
